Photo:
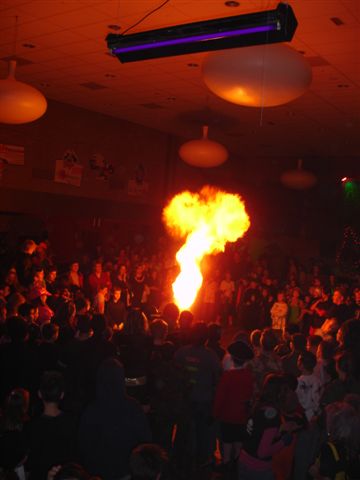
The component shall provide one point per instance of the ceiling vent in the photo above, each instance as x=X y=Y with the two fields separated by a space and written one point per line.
x=337 y=21
x=93 y=86
x=151 y=106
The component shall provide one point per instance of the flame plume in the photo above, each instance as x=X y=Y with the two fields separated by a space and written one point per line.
x=208 y=219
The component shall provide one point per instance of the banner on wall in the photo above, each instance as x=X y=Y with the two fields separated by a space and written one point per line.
x=68 y=169
x=12 y=154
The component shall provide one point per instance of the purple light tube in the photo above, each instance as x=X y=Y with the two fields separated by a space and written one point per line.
x=197 y=38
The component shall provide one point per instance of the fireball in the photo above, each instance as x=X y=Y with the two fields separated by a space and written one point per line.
x=207 y=221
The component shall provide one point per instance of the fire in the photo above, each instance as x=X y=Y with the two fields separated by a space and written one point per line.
x=208 y=219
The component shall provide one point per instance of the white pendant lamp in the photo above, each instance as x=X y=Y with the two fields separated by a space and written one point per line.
x=298 y=179
x=203 y=152
x=258 y=76
x=19 y=102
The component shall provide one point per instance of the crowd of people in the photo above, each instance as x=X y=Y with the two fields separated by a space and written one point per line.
x=102 y=377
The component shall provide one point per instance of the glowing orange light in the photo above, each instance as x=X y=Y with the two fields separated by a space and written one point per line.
x=208 y=219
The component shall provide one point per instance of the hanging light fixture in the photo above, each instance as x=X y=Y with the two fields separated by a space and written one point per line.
x=257 y=76
x=298 y=179
x=203 y=152
x=19 y=102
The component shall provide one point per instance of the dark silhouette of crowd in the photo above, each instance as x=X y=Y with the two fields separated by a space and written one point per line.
x=102 y=377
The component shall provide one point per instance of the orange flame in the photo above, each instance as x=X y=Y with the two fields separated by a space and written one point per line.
x=208 y=219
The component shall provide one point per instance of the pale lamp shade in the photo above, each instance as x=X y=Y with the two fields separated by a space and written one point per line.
x=19 y=102
x=203 y=152
x=258 y=76
x=298 y=179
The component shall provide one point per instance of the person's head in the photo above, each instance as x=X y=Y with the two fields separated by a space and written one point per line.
x=306 y=362
x=268 y=340
x=103 y=290
x=17 y=329
x=29 y=246
x=242 y=335
x=11 y=276
x=136 y=323
x=313 y=341
x=116 y=294
x=122 y=271
x=186 y=319
x=344 y=366
x=82 y=305
x=253 y=284
x=290 y=330
x=255 y=337
x=49 y=332
x=15 y=300
x=38 y=275
x=16 y=409
x=240 y=353
x=264 y=292
x=348 y=335
x=343 y=426
x=65 y=294
x=325 y=351
x=298 y=341
x=139 y=272
x=98 y=324
x=148 y=462
x=74 y=267
x=357 y=296
x=296 y=293
x=171 y=315
x=52 y=387
x=353 y=399
x=83 y=326
x=214 y=332
x=159 y=330
x=28 y=312
x=280 y=297
x=199 y=333
x=97 y=268
x=72 y=471
x=274 y=390
x=316 y=292
x=338 y=297
x=51 y=275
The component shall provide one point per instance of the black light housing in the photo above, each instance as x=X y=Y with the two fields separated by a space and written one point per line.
x=270 y=26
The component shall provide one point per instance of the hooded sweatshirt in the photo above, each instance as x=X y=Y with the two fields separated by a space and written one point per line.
x=111 y=426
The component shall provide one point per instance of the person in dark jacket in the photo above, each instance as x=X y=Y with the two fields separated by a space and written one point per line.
x=111 y=426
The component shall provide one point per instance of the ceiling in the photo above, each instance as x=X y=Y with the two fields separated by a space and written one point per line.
x=62 y=50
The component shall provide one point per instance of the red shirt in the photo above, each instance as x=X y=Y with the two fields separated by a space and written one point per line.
x=96 y=282
x=233 y=394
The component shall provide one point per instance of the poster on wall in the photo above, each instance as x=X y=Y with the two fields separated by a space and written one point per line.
x=101 y=167
x=138 y=186
x=12 y=154
x=68 y=169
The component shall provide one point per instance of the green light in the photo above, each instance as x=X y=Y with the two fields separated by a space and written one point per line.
x=352 y=190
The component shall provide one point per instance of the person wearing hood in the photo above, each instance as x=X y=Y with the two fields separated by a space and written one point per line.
x=111 y=426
